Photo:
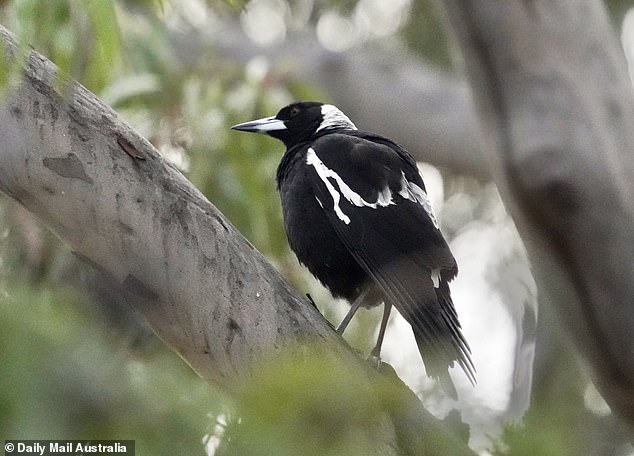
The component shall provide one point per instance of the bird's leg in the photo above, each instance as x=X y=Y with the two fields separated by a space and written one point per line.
x=375 y=354
x=353 y=310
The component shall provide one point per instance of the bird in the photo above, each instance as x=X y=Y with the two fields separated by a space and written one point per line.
x=357 y=215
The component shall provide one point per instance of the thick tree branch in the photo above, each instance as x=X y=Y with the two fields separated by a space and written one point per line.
x=557 y=113
x=201 y=286
x=107 y=193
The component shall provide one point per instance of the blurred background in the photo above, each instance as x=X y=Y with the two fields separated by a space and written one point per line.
x=77 y=363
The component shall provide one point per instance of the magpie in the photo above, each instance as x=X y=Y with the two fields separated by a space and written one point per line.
x=357 y=215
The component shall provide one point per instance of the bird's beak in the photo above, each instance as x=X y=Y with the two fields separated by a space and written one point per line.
x=261 y=125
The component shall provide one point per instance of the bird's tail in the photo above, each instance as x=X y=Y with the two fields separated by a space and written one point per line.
x=453 y=348
x=435 y=367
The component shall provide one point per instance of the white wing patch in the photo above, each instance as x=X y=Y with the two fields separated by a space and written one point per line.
x=409 y=191
x=435 y=277
x=325 y=174
x=414 y=193
x=332 y=117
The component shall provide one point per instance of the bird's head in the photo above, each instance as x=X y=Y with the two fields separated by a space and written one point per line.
x=299 y=122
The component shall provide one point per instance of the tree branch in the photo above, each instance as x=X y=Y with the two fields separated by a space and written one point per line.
x=108 y=194
x=205 y=290
x=557 y=113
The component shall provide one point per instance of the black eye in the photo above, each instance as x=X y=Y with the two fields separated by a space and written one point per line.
x=294 y=111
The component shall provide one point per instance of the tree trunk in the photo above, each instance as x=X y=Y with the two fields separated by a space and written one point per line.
x=204 y=289
x=557 y=112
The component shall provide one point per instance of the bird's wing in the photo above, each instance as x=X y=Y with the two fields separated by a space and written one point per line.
x=374 y=198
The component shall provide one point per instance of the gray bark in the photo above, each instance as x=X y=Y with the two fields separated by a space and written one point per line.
x=557 y=111
x=205 y=290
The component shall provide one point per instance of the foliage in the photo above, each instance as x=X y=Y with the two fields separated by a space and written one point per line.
x=66 y=375
x=315 y=404
x=87 y=38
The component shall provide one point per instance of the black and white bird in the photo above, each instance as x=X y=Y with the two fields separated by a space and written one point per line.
x=357 y=215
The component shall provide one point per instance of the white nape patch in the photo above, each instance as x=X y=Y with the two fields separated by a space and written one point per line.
x=435 y=277
x=325 y=174
x=413 y=192
x=332 y=117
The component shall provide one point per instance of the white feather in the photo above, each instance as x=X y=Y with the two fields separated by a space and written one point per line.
x=413 y=192
x=384 y=197
x=334 y=118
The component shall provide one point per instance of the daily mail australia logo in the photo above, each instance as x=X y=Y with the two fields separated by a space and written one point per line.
x=74 y=447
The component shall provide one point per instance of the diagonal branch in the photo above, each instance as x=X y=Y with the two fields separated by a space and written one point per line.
x=107 y=193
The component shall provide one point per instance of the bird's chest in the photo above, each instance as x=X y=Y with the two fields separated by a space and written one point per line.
x=306 y=225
